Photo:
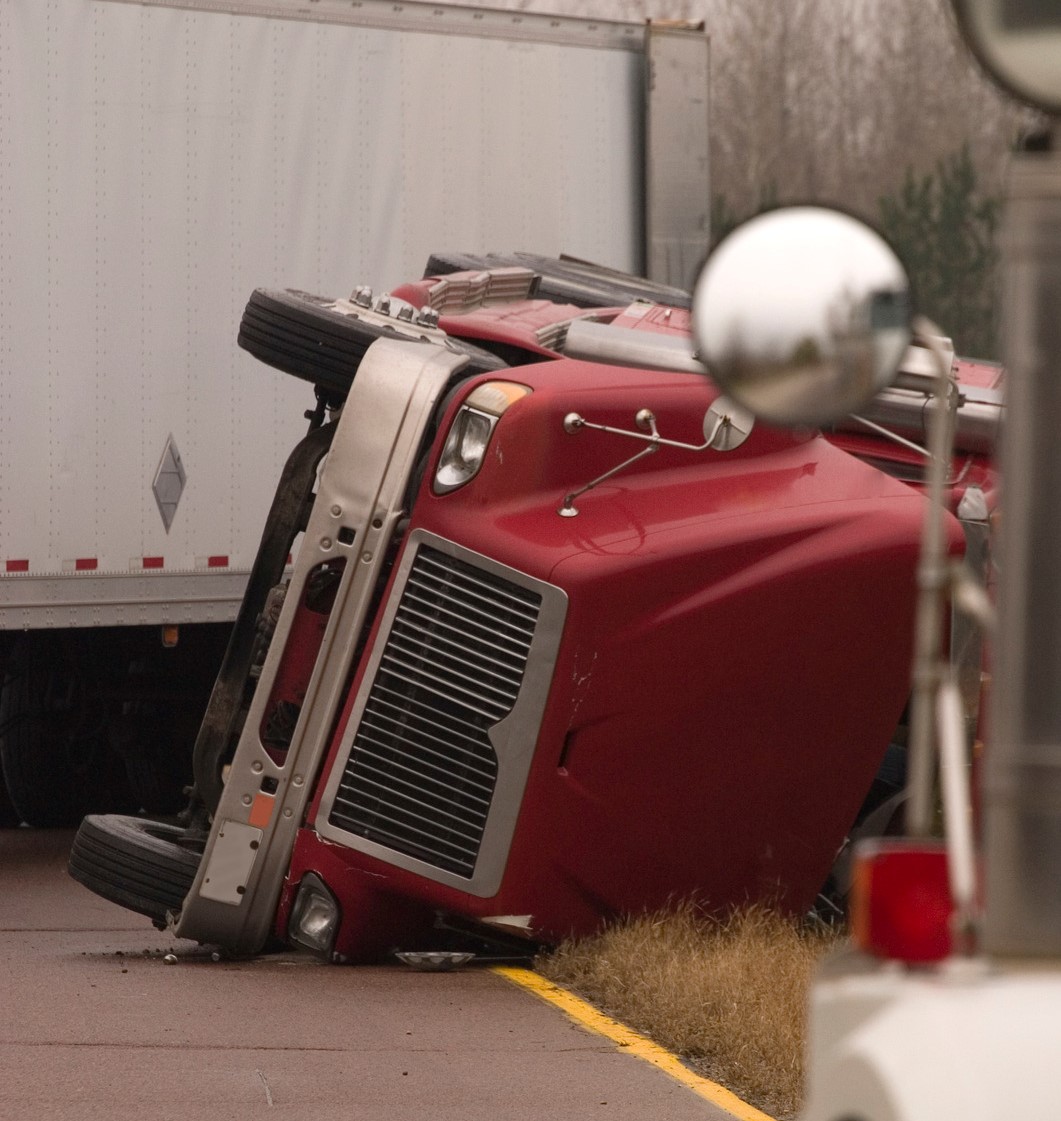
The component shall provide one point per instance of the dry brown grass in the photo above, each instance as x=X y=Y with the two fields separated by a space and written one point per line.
x=728 y=996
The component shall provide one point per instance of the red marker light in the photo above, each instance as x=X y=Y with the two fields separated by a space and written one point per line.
x=901 y=901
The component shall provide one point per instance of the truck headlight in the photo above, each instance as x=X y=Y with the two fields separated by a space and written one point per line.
x=314 y=917
x=469 y=435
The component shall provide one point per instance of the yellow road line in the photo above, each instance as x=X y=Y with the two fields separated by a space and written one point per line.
x=631 y=1041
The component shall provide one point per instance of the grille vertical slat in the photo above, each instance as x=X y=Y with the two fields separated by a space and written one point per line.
x=400 y=829
x=446 y=736
x=400 y=776
x=425 y=759
x=447 y=667
x=494 y=595
x=421 y=772
x=431 y=688
x=444 y=606
x=499 y=666
x=400 y=802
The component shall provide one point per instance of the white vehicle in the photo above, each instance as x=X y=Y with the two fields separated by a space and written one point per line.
x=948 y=1006
x=158 y=161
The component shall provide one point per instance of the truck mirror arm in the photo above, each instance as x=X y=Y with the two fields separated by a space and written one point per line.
x=934 y=583
x=646 y=420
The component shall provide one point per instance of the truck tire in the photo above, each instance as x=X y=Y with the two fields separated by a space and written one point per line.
x=304 y=335
x=159 y=780
x=143 y=865
x=53 y=753
x=9 y=816
x=566 y=281
x=154 y=743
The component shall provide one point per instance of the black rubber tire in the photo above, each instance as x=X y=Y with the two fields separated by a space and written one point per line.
x=143 y=865
x=154 y=744
x=9 y=816
x=158 y=780
x=566 y=281
x=300 y=334
x=54 y=757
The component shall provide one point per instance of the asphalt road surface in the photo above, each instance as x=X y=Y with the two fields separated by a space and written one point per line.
x=94 y=1023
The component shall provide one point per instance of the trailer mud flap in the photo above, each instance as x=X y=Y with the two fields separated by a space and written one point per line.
x=358 y=505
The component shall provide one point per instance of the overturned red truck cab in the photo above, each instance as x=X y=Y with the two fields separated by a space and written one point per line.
x=566 y=635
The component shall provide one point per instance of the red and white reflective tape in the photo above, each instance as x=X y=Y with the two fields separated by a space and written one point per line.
x=21 y=565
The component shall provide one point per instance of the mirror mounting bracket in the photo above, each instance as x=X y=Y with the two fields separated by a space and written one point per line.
x=716 y=425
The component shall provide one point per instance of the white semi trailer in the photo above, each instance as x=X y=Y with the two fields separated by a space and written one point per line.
x=159 y=161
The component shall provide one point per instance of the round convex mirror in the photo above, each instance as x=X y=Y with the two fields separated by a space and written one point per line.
x=802 y=314
x=1018 y=42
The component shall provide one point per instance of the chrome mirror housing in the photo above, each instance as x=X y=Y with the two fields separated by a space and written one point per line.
x=802 y=314
x=1018 y=42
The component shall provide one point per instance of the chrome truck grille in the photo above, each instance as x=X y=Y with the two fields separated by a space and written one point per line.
x=422 y=769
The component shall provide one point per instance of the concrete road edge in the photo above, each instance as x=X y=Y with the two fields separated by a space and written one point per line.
x=632 y=1042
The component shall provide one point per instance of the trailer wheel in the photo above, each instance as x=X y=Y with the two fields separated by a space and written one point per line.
x=304 y=335
x=9 y=816
x=143 y=865
x=153 y=744
x=159 y=781
x=53 y=752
